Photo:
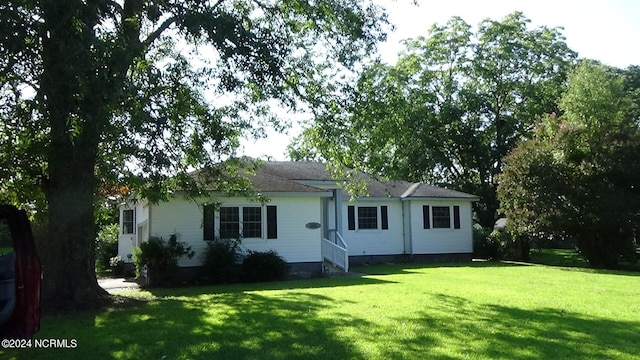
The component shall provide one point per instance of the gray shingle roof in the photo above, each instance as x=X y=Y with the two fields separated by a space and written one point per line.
x=268 y=183
x=296 y=170
x=284 y=176
x=429 y=191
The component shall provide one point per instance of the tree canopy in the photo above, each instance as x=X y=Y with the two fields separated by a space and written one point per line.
x=97 y=94
x=577 y=177
x=450 y=109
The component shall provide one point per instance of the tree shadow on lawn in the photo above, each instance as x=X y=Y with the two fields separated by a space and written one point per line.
x=241 y=322
x=213 y=322
x=314 y=283
x=502 y=332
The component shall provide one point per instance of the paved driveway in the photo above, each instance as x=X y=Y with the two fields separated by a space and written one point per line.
x=112 y=284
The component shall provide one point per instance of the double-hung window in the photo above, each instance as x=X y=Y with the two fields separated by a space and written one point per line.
x=368 y=217
x=439 y=217
x=252 y=222
x=128 y=221
x=233 y=222
x=229 y=222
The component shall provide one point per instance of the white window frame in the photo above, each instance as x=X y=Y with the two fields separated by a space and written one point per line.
x=356 y=218
x=133 y=222
x=263 y=221
x=433 y=218
x=378 y=217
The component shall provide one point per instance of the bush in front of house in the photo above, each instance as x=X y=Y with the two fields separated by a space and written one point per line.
x=117 y=266
x=220 y=261
x=264 y=266
x=161 y=259
x=106 y=246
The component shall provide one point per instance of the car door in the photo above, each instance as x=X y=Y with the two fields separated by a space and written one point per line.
x=20 y=276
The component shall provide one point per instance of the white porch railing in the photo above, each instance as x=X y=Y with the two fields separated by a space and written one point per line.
x=335 y=250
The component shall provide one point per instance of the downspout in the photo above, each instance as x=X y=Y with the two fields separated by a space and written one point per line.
x=325 y=217
x=337 y=199
x=406 y=227
x=407 y=234
x=149 y=222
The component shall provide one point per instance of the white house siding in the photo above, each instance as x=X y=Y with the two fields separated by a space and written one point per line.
x=183 y=218
x=126 y=242
x=295 y=242
x=441 y=241
x=374 y=241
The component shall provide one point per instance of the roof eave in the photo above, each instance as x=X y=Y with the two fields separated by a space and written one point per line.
x=471 y=199
x=296 y=194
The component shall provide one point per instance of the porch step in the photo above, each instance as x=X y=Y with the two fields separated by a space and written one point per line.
x=329 y=270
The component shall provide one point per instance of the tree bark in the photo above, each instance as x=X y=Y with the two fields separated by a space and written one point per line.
x=596 y=249
x=73 y=117
x=69 y=275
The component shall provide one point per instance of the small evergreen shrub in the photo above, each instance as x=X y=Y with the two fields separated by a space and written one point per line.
x=264 y=266
x=220 y=261
x=161 y=259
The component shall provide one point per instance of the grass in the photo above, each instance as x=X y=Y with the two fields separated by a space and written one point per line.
x=558 y=257
x=476 y=310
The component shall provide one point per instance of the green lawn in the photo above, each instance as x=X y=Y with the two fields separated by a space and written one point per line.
x=476 y=310
x=558 y=257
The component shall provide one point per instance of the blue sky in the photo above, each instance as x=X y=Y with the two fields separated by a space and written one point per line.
x=605 y=30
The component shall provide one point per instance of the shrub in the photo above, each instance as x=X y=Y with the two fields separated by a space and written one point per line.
x=264 y=266
x=489 y=244
x=106 y=245
x=117 y=265
x=483 y=246
x=161 y=259
x=498 y=245
x=220 y=261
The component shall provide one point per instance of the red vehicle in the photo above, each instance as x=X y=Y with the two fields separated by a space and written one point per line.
x=20 y=276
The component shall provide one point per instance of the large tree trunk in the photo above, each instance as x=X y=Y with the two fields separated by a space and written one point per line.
x=69 y=275
x=597 y=249
x=69 y=91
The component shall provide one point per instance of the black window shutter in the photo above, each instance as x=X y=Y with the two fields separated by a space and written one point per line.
x=384 y=217
x=456 y=217
x=272 y=222
x=426 y=223
x=208 y=223
x=351 y=213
